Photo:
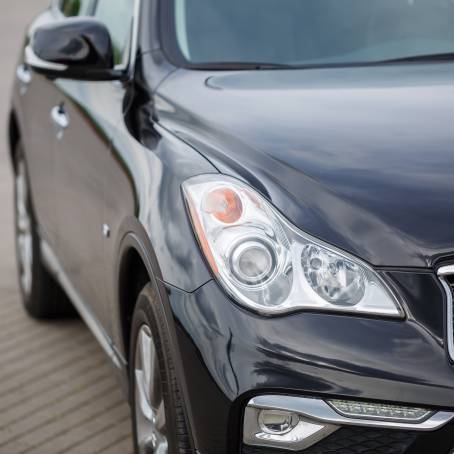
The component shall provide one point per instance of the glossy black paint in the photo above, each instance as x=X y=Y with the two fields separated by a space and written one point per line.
x=360 y=157
x=310 y=354
x=347 y=154
x=83 y=44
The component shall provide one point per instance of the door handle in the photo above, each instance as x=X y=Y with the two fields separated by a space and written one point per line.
x=60 y=119
x=24 y=76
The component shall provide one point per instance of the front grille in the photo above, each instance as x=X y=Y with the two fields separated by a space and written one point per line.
x=446 y=275
x=353 y=440
x=364 y=440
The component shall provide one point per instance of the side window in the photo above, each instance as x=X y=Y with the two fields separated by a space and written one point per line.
x=72 y=8
x=117 y=16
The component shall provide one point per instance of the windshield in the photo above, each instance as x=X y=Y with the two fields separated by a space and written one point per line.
x=309 y=32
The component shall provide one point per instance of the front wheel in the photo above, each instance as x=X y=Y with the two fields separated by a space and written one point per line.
x=158 y=415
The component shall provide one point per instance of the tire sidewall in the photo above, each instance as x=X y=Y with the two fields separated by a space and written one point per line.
x=148 y=311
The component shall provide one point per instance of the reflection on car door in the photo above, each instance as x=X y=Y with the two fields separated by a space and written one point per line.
x=82 y=148
x=88 y=113
x=38 y=95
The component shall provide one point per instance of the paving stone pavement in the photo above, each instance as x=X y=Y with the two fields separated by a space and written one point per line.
x=58 y=393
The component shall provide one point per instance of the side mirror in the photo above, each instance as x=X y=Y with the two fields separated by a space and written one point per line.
x=78 y=48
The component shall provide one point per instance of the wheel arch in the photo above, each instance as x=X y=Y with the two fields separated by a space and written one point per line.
x=137 y=264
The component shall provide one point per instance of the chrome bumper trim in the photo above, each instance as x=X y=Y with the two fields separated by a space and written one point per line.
x=319 y=410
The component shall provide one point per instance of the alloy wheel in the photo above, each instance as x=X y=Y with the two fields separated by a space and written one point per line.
x=24 y=236
x=149 y=402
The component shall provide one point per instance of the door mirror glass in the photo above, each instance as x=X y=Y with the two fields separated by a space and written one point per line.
x=76 y=48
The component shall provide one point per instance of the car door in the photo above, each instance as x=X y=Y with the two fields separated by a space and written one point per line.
x=85 y=116
x=38 y=95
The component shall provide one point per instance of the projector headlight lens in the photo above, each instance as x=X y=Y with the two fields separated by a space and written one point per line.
x=268 y=265
x=253 y=262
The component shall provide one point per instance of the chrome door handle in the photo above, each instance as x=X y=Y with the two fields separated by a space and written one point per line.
x=24 y=76
x=60 y=120
x=59 y=117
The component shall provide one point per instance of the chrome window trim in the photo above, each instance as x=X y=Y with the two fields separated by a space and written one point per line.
x=318 y=410
x=442 y=273
x=134 y=45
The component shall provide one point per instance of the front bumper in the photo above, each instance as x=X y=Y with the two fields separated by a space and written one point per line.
x=359 y=440
x=292 y=423
x=230 y=355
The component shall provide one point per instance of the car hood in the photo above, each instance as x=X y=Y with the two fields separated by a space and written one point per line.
x=362 y=157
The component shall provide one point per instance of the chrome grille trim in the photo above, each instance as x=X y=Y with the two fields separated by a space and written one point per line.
x=443 y=273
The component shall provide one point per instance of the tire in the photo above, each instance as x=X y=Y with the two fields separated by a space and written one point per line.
x=149 y=321
x=42 y=297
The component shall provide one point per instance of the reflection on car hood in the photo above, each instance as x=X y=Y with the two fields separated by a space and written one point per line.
x=360 y=157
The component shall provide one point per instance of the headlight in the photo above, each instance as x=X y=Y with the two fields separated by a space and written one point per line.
x=268 y=265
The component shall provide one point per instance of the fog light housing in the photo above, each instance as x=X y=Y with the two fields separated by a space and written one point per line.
x=295 y=423
x=277 y=422
x=282 y=429
x=382 y=412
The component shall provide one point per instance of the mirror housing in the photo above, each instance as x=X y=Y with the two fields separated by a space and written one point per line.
x=76 y=48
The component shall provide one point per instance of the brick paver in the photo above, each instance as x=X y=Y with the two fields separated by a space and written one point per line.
x=58 y=393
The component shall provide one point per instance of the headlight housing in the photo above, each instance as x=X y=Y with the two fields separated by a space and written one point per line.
x=268 y=265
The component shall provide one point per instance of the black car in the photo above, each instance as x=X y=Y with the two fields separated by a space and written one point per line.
x=250 y=203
